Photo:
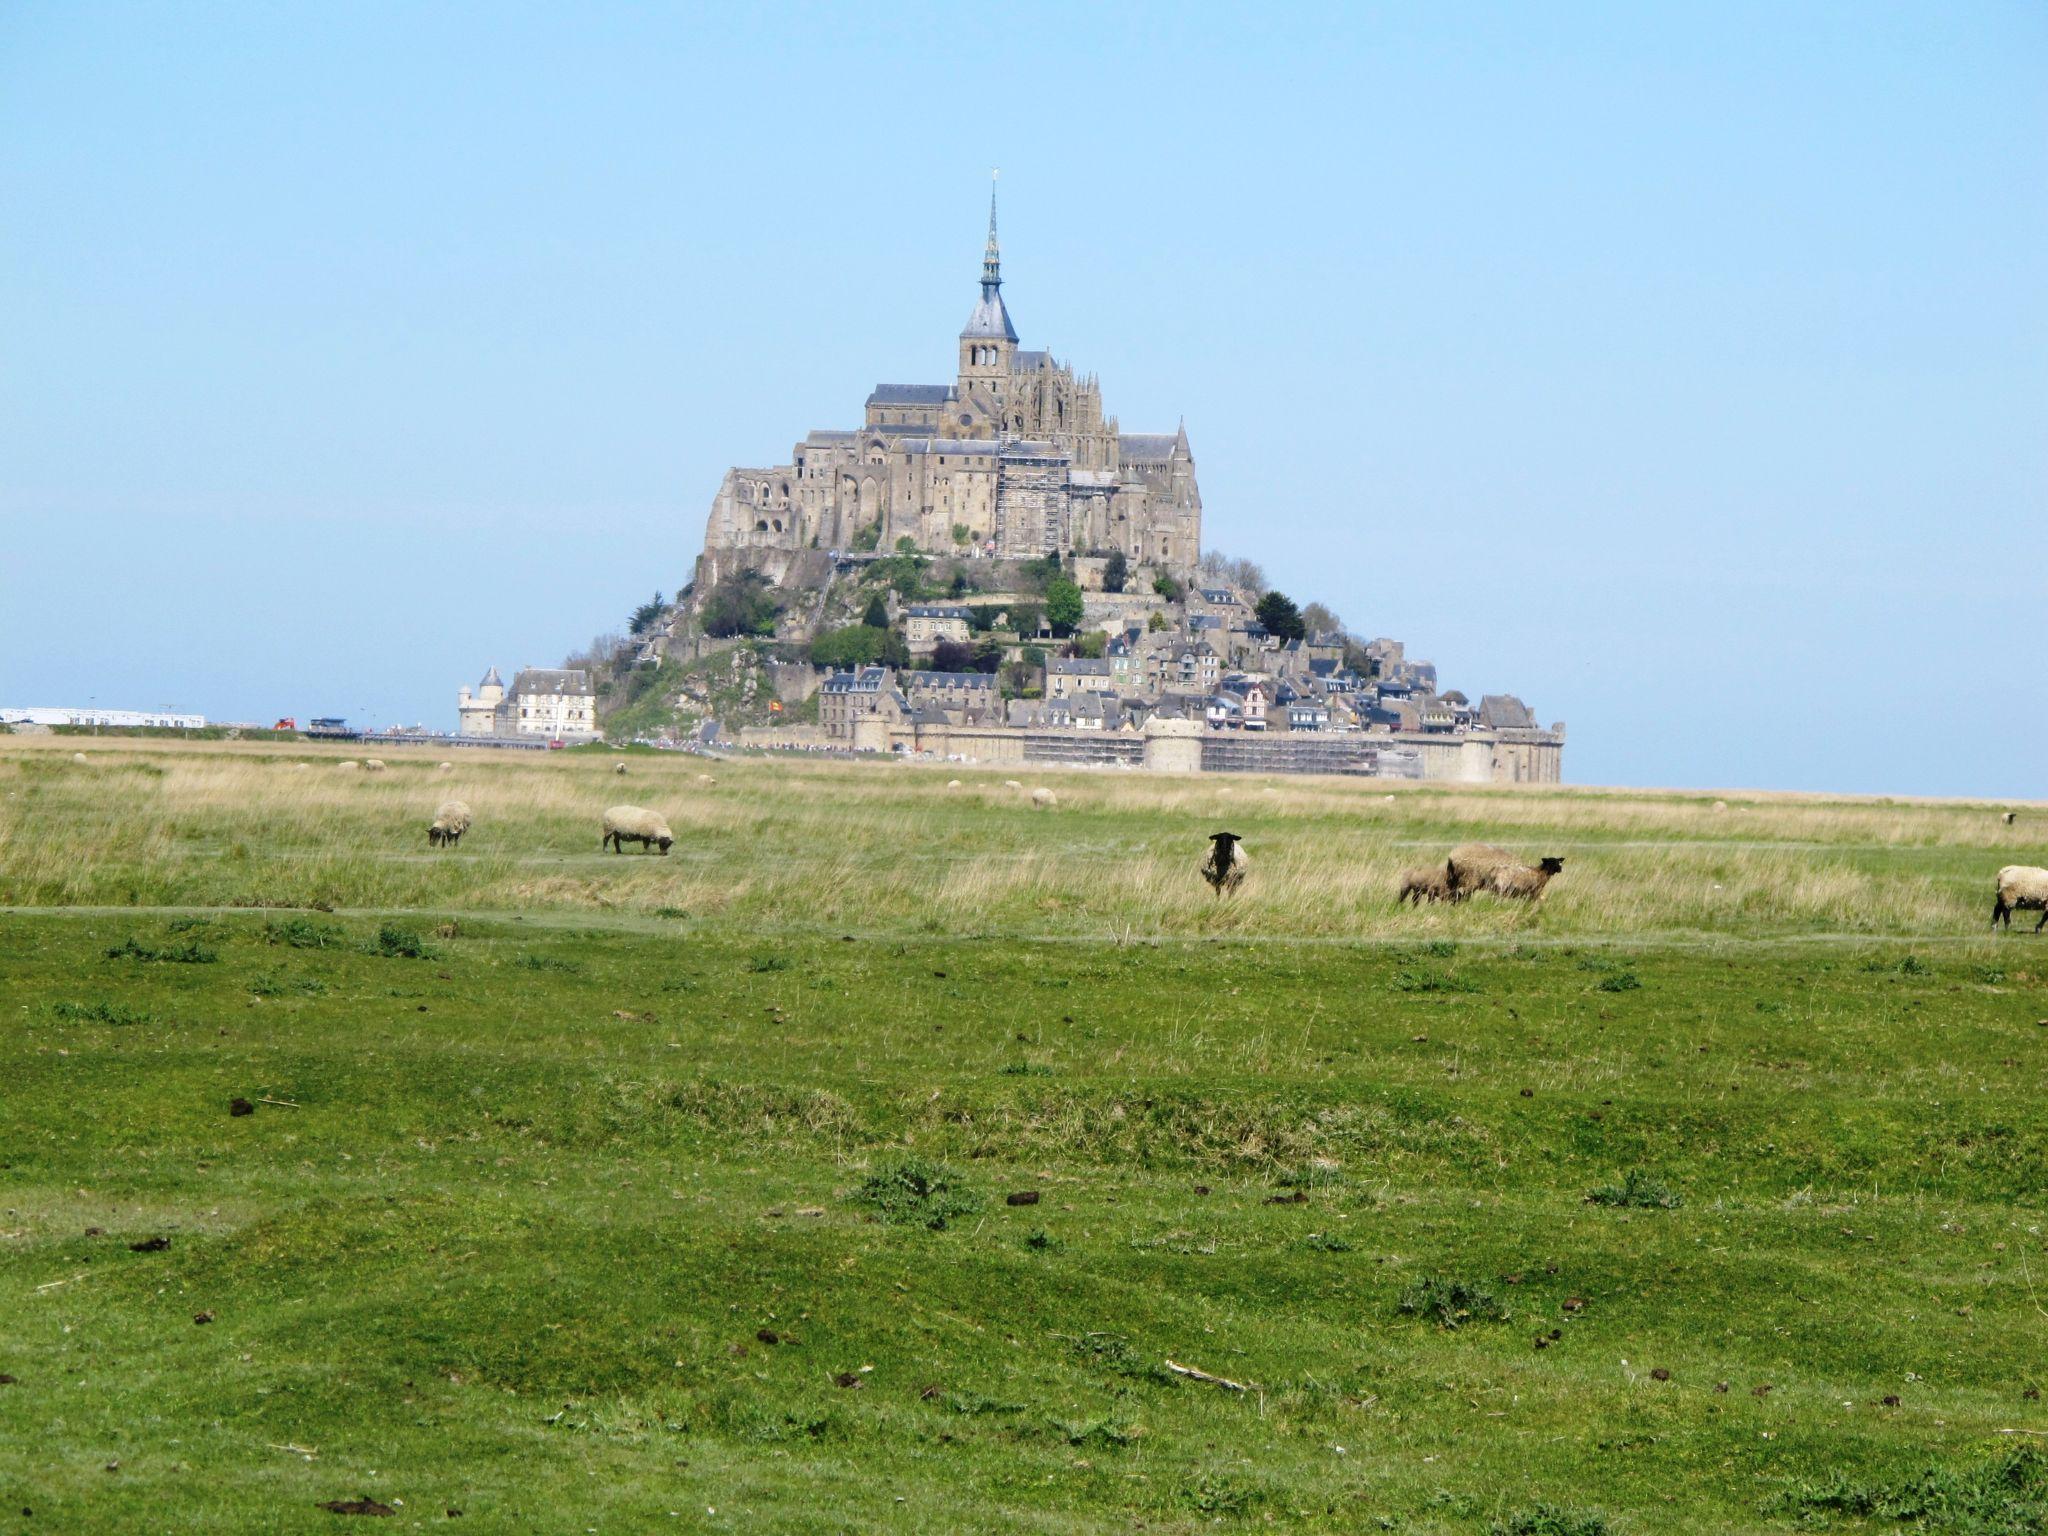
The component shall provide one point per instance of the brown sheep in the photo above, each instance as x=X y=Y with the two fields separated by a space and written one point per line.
x=1475 y=867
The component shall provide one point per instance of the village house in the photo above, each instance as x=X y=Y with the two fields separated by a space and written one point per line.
x=963 y=697
x=850 y=696
x=554 y=702
x=1068 y=675
x=925 y=625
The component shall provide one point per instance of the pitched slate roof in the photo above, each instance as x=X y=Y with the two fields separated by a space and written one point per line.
x=911 y=394
x=1146 y=447
x=550 y=680
x=1503 y=711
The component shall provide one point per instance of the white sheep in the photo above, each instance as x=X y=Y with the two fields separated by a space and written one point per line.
x=1720 y=806
x=705 y=778
x=1226 y=862
x=625 y=824
x=79 y=758
x=1043 y=799
x=299 y=768
x=2021 y=888
x=952 y=783
x=450 y=822
x=348 y=765
x=444 y=768
x=373 y=765
x=619 y=767
x=1011 y=784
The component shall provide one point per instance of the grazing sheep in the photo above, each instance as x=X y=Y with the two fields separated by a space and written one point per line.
x=1011 y=784
x=348 y=763
x=1522 y=882
x=444 y=768
x=952 y=783
x=450 y=822
x=78 y=758
x=298 y=768
x=1043 y=799
x=1471 y=865
x=619 y=767
x=1226 y=863
x=2021 y=888
x=2011 y=817
x=1475 y=867
x=625 y=824
x=705 y=778
x=1425 y=882
x=1720 y=806
x=373 y=765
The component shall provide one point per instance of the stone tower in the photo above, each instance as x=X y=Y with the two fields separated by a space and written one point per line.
x=988 y=341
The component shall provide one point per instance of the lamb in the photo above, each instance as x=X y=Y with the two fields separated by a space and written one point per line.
x=1425 y=882
x=705 y=778
x=1474 y=867
x=1043 y=799
x=373 y=765
x=2021 y=888
x=1522 y=882
x=1226 y=863
x=450 y=822
x=625 y=824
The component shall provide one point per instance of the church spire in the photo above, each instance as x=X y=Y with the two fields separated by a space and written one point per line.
x=992 y=257
x=990 y=317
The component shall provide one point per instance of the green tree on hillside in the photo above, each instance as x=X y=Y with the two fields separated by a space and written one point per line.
x=877 y=614
x=741 y=605
x=1168 y=588
x=1116 y=572
x=1062 y=605
x=1277 y=612
x=645 y=615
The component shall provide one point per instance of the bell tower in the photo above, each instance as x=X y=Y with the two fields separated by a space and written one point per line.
x=988 y=340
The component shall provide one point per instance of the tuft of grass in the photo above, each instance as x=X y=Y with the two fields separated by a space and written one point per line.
x=1451 y=1303
x=1024 y=1069
x=762 y=964
x=191 y=952
x=2004 y=1495
x=395 y=943
x=120 y=1015
x=1618 y=981
x=915 y=1191
x=1551 y=1520
x=547 y=963
x=1637 y=1191
x=1431 y=978
x=302 y=933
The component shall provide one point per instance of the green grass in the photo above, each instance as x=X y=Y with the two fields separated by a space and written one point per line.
x=570 y=1213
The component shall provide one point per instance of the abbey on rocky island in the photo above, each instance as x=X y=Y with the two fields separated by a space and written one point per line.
x=1013 y=459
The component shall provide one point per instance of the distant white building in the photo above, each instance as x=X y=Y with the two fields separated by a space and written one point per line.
x=543 y=701
x=119 y=718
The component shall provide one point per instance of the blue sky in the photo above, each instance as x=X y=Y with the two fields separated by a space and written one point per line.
x=1683 y=369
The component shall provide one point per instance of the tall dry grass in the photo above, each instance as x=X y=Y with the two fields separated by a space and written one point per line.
x=881 y=846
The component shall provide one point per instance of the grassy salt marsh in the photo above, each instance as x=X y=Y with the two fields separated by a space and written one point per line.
x=581 y=1191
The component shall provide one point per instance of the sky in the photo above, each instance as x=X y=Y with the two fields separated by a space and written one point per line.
x=1682 y=369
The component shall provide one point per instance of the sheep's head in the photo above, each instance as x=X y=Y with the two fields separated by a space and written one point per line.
x=665 y=842
x=1225 y=838
x=1552 y=866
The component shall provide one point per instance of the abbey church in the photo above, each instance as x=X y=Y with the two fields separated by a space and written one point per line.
x=1013 y=459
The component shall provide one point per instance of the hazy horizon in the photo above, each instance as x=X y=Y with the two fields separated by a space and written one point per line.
x=1682 y=371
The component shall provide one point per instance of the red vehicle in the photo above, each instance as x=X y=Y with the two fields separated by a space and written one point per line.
x=288 y=723
x=557 y=744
